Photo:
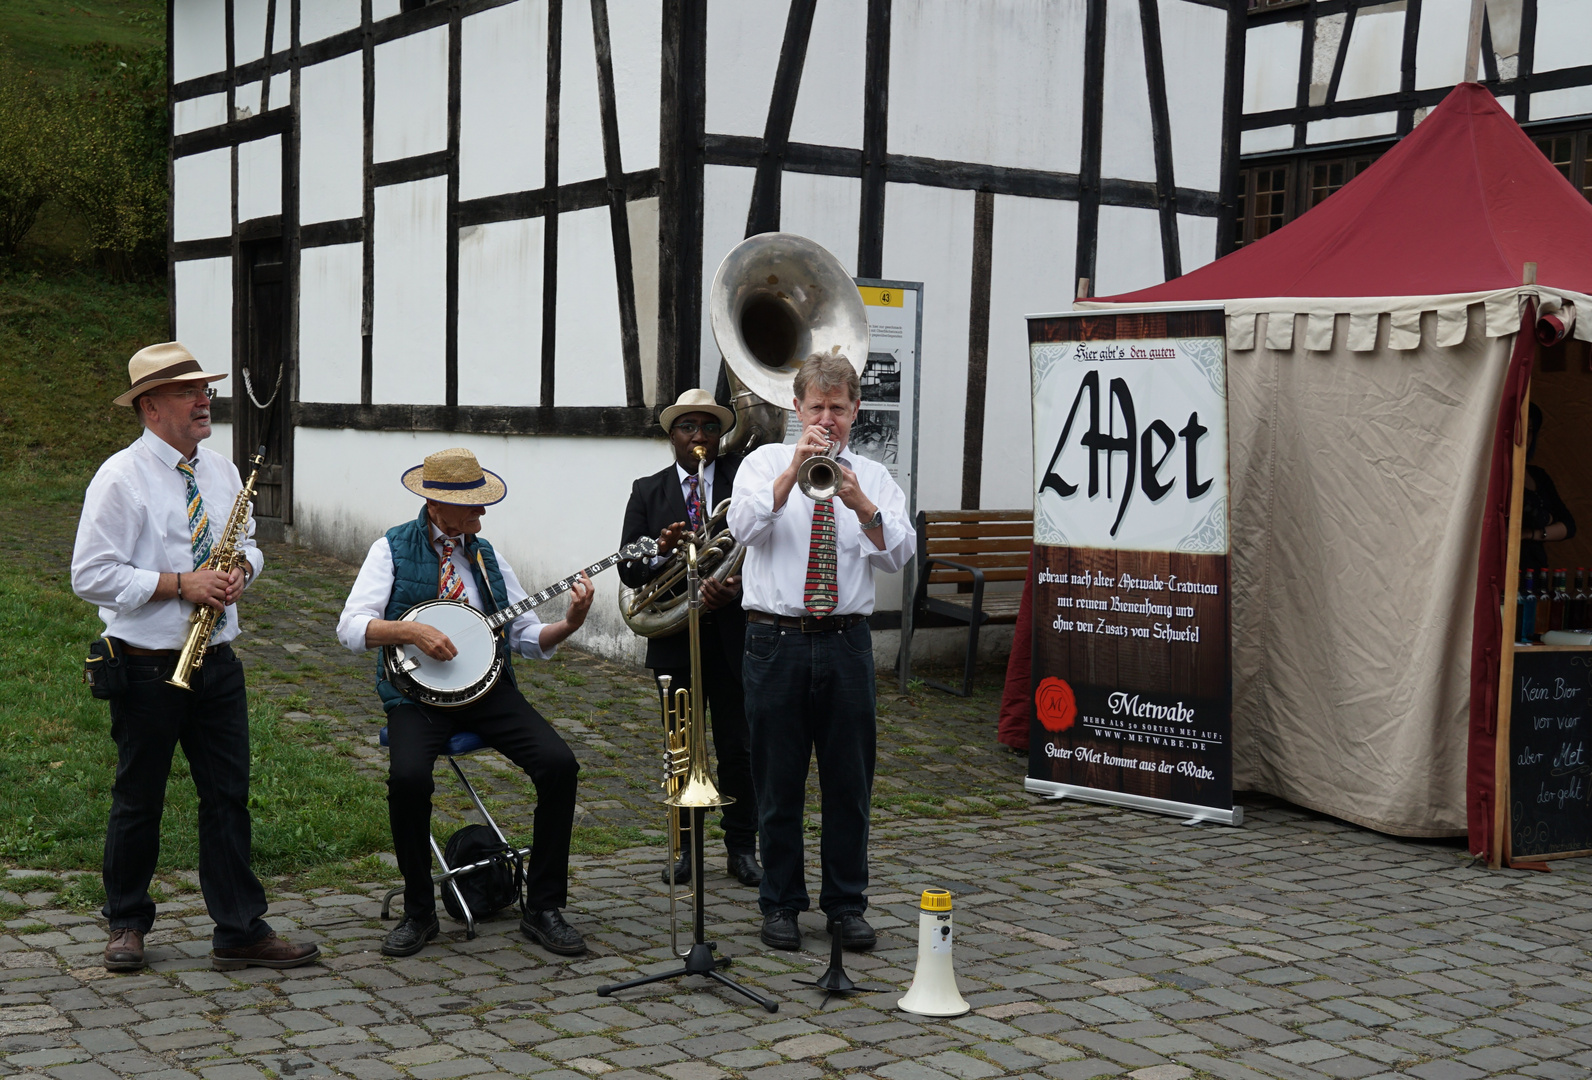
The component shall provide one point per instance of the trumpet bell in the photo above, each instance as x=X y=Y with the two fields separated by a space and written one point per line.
x=819 y=477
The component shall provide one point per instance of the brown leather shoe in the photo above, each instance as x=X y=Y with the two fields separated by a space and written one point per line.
x=270 y=951
x=125 y=950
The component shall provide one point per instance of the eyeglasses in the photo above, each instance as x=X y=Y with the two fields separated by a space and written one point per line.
x=193 y=392
x=691 y=427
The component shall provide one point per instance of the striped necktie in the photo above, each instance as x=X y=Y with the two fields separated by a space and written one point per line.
x=199 y=538
x=450 y=585
x=693 y=502
x=821 y=594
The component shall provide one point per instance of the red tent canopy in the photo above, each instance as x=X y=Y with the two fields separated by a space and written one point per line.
x=1458 y=206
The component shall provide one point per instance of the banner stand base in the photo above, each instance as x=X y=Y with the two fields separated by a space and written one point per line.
x=1190 y=812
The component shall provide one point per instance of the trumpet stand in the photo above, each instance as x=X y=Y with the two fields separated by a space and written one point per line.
x=690 y=788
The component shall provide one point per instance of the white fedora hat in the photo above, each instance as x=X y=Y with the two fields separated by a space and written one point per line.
x=157 y=365
x=696 y=401
x=454 y=476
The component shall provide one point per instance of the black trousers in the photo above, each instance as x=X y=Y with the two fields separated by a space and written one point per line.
x=417 y=735
x=726 y=704
x=211 y=721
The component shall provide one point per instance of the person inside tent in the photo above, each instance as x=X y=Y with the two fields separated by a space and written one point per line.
x=1544 y=518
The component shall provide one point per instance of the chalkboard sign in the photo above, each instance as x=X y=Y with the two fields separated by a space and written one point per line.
x=1550 y=771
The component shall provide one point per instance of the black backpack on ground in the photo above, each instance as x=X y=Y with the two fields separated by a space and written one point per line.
x=487 y=890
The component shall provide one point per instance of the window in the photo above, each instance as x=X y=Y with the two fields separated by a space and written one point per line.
x=1328 y=176
x=1571 y=153
x=1271 y=195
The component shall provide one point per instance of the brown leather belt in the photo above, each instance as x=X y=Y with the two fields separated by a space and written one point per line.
x=170 y=654
x=807 y=624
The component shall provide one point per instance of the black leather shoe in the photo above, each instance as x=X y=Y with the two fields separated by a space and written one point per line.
x=853 y=930
x=780 y=930
x=125 y=950
x=409 y=936
x=681 y=874
x=549 y=930
x=744 y=868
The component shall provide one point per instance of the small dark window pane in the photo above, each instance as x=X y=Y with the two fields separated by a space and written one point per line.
x=1559 y=150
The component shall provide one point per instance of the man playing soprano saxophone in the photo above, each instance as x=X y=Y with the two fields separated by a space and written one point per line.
x=151 y=517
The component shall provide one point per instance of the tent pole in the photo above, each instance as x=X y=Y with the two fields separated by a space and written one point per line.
x=1473 y=45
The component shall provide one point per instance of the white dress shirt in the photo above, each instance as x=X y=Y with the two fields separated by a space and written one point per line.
x=135 y=527
x=774 y=576
x=685 y=485
x=373 y=588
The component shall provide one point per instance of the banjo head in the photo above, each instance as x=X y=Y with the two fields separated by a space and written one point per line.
x=474 y=640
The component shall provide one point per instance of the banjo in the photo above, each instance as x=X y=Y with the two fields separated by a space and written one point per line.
x=476 y=666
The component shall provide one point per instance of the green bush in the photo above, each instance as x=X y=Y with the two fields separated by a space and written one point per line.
x=31 y=138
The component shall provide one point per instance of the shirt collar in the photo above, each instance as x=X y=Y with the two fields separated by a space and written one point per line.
x=683 y=475
x=167 y=454
x=437 y=536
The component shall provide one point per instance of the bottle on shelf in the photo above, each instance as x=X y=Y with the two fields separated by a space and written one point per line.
x=1544 y=619
x=1526 y=608
x=1578 y=602
x=1561 y=600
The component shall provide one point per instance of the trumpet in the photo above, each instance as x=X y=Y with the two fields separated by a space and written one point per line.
x=687 y=781
x=225 y=557
x=819 y=476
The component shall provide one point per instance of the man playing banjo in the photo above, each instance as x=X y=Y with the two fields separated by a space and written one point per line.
x=439 y=555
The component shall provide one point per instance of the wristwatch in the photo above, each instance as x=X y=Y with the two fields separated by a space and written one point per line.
x=875 y=522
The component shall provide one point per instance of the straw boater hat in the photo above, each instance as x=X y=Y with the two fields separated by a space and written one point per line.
x=161 y=364
x=696 y=401
x=454 y=476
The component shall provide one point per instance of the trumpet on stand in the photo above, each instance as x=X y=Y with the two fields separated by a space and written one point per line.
x=688 y=786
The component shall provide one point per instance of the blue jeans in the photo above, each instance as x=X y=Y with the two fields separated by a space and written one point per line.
x=211 y=721
x=807 y=692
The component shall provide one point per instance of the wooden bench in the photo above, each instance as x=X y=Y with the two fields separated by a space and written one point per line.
x=967 y=549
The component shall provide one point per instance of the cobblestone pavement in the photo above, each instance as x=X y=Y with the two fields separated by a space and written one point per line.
x=1091 y=942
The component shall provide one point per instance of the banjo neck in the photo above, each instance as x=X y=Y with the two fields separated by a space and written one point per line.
x=514 y=611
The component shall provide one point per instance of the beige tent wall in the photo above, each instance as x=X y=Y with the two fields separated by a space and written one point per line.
x=1357 y=487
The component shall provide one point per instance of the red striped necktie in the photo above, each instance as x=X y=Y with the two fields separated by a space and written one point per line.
x=450 y=585
x=821 y=594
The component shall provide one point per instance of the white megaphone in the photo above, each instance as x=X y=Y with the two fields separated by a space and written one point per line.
x=933 y=990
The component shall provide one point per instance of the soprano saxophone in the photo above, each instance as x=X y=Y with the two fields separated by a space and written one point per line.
x=224 y=559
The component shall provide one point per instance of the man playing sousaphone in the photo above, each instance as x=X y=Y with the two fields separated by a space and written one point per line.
x=440 y=555
x=667 y=504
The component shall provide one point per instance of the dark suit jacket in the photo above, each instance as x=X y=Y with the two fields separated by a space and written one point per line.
x=657 y=502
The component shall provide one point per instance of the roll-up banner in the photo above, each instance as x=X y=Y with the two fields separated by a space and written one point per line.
x=1132 y=660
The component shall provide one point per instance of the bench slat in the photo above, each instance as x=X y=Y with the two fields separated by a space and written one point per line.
x=941 y=576
x=1015 y=544
x=1024 y=529
x=932 y=516
x=986 y=559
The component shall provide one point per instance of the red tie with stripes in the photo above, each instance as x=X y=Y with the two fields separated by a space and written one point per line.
x=821 y=595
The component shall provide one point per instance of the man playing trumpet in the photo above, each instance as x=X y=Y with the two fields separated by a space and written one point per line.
x=808 y=669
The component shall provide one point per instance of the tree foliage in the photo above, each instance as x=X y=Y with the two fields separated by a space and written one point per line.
x=30 y=154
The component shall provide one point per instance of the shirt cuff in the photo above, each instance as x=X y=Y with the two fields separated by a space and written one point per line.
x=353 y=637
x=139 y=589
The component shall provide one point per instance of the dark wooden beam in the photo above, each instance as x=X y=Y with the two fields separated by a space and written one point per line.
x=1232 y=116
x=683 y=90
x=977 y=350
x=555 y=60
x=875 y=140
x=1412 y=29
x=595 y=422
x=1342 y=54
x=1094 y=77
x=367 y=317
x=618 y=211
x=450 y=319
x=1161 y=136
x=763 y=215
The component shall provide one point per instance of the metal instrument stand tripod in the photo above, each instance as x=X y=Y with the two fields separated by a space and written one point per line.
x=700 y=960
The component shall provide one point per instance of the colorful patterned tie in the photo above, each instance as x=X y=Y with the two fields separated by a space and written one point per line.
x=821 y=595
x=693 y=502
x=450 y=585
x=199 y=538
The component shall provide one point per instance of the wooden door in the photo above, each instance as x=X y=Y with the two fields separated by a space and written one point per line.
x=265 y=385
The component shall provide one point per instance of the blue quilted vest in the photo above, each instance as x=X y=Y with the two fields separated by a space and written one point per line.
x=415 y=572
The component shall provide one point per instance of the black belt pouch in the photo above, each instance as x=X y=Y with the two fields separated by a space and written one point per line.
x=103 y=668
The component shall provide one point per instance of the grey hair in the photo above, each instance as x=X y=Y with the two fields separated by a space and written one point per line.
x=827 y=372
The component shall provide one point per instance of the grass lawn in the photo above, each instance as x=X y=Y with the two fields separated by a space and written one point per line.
x=41 y=34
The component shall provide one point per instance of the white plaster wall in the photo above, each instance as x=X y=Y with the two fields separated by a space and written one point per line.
x=1127 y=151
x=196 y=114
x=500 y=313
x=635 y=34
x=928 y=237
x=1194 y=54
x=1440 y=43
x=824 y=209
x=994 y=84
x=1346 y=128
x=260 y=178
x=248 y=28
x=246 y=99
x=1261 y=139
x=1571 y=101
x=1375 y=56
x=331 y=296
x=411 y=95
x=281 y=90
x=383 y=9
x=323 y=18
x=408 y=331
x=726 y=198
x=503 y=101
x=353 y=496
x=331 y=140
x=580 y=131
x=1271 y=66
x=1196 y=241
x=589 y=362
x=1564 y=36
x=829 y=101
x=202 y=195
x=743 y=42
x=1129 y=253
x=643 y=217
x=202 y=297
x=1032 y=239
x=199 y=38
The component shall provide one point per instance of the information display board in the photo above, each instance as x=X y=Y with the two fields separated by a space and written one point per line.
x=1550 y=774
x=1132 y=657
